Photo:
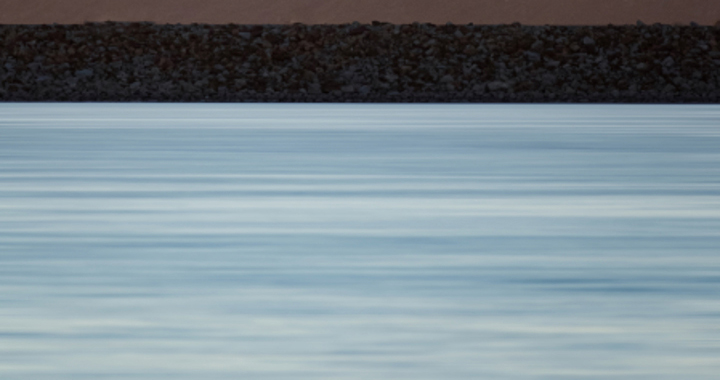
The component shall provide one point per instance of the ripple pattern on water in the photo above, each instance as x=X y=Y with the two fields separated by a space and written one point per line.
x=277 y=241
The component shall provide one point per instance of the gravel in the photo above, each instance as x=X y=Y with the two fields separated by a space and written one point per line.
x=375 y=62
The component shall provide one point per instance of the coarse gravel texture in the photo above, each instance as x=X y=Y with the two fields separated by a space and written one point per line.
x=375 y=62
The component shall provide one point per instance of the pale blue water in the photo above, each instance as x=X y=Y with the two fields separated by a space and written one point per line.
x=276 y=241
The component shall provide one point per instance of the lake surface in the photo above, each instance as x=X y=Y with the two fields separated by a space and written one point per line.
x=281 y=241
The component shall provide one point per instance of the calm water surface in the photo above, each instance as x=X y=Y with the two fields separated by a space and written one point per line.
x=277 y=241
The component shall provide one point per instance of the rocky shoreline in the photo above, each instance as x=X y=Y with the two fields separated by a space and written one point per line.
x=376 y=62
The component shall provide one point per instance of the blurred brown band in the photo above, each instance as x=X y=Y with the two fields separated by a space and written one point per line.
x=530 y=12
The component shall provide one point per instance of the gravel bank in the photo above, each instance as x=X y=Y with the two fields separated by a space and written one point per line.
x=359 y=63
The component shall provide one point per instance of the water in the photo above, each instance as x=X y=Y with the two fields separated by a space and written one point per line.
x=168 y=241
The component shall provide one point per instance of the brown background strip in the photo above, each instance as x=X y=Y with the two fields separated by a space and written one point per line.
x=532 y=12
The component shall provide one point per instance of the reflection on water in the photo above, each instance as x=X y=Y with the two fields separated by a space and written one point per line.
x=274 y=241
